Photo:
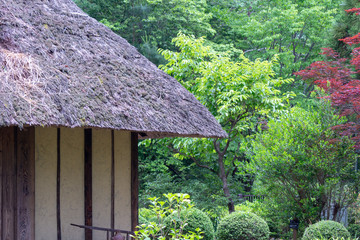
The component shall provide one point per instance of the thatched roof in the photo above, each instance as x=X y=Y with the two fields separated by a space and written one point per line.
x=60 y=67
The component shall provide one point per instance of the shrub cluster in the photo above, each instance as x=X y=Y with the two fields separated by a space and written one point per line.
x=194 y=218
x=326 y=230
x=153 y=219
x=354 y=230
x=146 y=216
x=242 y=226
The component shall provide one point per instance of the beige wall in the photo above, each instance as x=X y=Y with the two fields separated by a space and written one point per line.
x=45 y=183
x=101 y=181
x=72 y=181
x=123 y=180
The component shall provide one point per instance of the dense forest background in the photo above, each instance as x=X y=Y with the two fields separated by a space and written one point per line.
x=239 y=58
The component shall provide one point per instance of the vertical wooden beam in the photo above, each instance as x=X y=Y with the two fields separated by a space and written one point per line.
x=25 y=227
x=112 y=217
x=134 y=181
x=9 y=184
x=1 y=182
x=88 y=182
x=58 y=177
x=14 y=179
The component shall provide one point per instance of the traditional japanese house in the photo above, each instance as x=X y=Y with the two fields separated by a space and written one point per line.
x=74 y=99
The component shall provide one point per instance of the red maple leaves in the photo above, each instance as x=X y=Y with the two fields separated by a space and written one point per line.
x=353 y=10
x=338 y=77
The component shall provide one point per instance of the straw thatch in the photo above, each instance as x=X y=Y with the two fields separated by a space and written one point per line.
x=60 y=67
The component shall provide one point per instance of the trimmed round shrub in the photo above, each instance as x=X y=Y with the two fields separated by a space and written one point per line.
x=354 y=230
x=326 y=230
x=242 y=226
x=195 y=218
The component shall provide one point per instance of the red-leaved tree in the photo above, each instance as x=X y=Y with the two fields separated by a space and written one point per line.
x=339 y=78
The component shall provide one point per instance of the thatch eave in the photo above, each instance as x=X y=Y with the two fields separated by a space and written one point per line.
x=142 y=134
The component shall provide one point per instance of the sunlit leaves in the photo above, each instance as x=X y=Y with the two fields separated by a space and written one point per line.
x=229 y=89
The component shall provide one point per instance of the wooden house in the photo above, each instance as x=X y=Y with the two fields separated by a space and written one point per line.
x=74 y=99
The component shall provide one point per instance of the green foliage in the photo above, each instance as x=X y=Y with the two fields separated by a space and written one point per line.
x=242 y=226
x=160 y=172
x=270 y=213
x=354 y=212
x=151 y=24
x=335 y=238
x=303 y=165
x=147 y=216
x=168 y=17
x=255 y=207
x=228 y=88
x=346 y=25
x=173 y=206
x=195 y=219
x=293 y=29
x=237 y=93
x=354 y=230
x=326 y=230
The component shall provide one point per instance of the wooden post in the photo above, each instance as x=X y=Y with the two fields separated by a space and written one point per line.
x=25 y=183
x=58 y=177
x=112 y=210
x=25 y=215
x=9 y=184
x=294 y=225
x=1 y=182
x=294 y=234
x=88 y=182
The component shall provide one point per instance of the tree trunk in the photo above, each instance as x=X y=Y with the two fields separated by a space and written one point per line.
x=222 y=175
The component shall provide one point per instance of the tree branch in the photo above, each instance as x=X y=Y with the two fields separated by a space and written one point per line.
x=193 y=159
x=256 y=49
x=234 y=158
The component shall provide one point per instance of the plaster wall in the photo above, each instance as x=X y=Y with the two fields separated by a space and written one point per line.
x=101 y=165
x=45 y=183
x=122 y=180
x=72 y=182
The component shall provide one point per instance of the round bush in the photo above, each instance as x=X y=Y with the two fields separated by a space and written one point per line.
x=195 y=218
x=242 y=226
x=326 y=230
x=354 y=230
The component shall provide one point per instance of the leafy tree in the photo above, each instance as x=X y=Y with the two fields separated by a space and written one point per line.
x=122 y=16
x=168 y=17
x=302 y=168
x=151 y=24
x=347 y=24
x=292 y=29
x=337 y=77
x=237 y=94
